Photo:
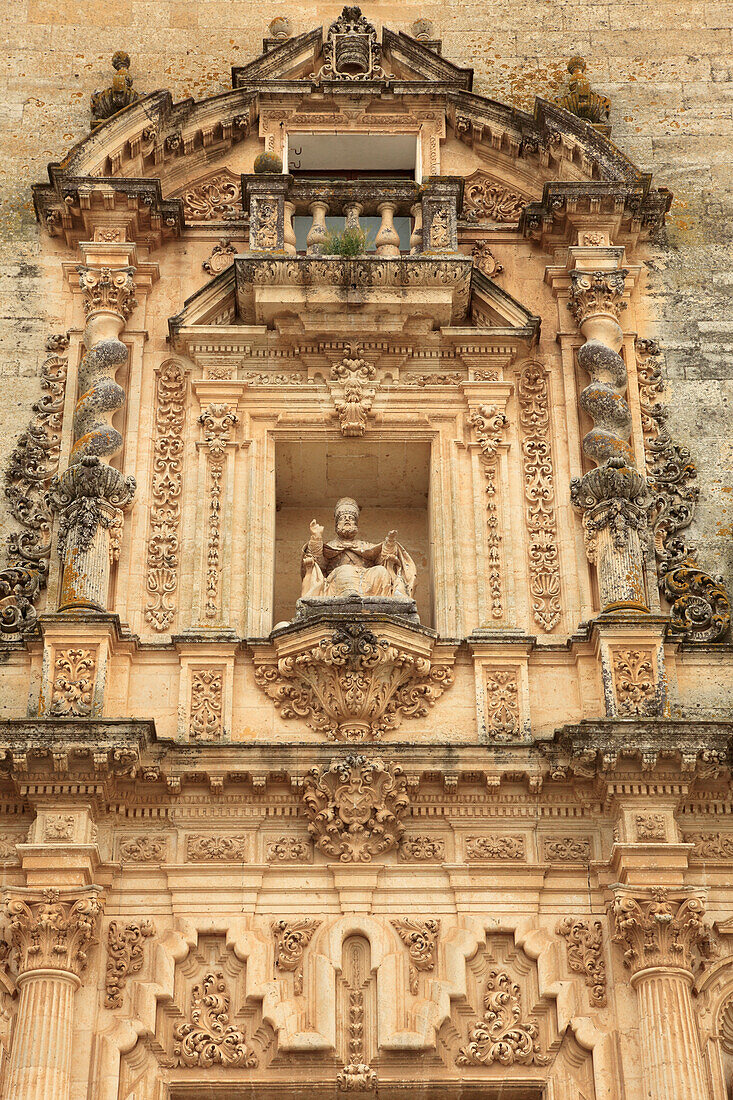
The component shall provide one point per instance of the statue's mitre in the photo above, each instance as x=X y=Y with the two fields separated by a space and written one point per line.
x=346 y=504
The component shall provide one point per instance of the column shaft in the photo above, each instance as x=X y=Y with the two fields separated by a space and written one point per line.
x=40 y=1060
x=670 y=1046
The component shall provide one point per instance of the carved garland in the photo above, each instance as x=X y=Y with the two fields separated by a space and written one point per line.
x=539 y=492
x=165 y=513
x=489 y=424
x=700 y=602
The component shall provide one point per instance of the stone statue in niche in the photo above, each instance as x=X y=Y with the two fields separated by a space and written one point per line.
x=347 y=567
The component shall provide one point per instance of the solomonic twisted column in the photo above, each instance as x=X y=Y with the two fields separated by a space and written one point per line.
x=51 y=931
x=91 y=495
x=658 y=931
x=613 y=497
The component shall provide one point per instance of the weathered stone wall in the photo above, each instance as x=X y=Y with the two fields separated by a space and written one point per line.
x=668 y=70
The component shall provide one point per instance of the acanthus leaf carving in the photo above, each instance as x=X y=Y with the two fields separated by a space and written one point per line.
x=660 y=928
x=125 y=956
x=206 y=849
x=495 y=847
x=143 y=849
x=72 y=691
x=354 y=686
x=502 y=1036
x=585 y=954
x=108 y=289
x=596 y=292
x=502 y=705
x=355 y=376
x=539 y=493
x=485 y=198
x=53 y=928
x=634 y=682
x=421 y=939
x=355 y=807
x=422 y=848
x=208 y=1038
x=289 y=849
x=291 y=939
x=207 y=687
x=217 y=198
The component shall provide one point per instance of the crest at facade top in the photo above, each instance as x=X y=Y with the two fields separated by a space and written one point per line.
x=351 y=50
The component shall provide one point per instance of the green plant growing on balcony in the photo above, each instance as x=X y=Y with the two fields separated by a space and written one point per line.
x=350 y=242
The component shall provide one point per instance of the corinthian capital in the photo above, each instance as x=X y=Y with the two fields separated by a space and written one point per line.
x=53 y=928
x=660 y=928
x=596 y=292
x=110 y=290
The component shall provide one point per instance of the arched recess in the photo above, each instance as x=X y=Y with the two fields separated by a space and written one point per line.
x=714 y=988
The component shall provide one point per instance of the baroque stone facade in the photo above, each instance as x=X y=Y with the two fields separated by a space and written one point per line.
x=288 y=812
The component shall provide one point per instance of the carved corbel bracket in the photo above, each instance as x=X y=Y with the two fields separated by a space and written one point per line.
x=353 y=681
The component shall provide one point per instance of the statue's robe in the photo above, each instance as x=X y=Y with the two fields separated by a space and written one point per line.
x=346 y=568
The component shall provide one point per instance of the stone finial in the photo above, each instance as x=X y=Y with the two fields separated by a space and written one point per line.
x=119 y=94
x=422 y=30
x=579 y=99
x=280 y=28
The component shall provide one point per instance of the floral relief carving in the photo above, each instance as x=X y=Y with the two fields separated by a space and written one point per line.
x=539 y=494
x=291 y=939
x=439 y=235
x=53 y=928
x=633 y=675
x=484 y=198
x=207 y=687
x=289 y=849
x=205 y=849
x=700 y=602
x=33 y=462
x=143 y=849
x=165 y=511
x=355 y=807
x=502 y=1036
x=585 y=954
x=489 y=425
x=421 y=939
x=208 y=1038
x=650 y=826
x=357 y=1075
x=58 y=827
x=73 y=683
x=264 y=218
x=9 y=846
x=710 y=845
x=660 y=928
x=218 y=422
x=354 y=686
x=355 y=376
x=566 y=849
x=125 y=956
x=218 y=198
x=422 y=848
x=494 y=847
x=502 y=705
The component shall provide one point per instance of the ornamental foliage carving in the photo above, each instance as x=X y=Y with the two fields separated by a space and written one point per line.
x=489 y=424
x=291 y=939
x=634 y=683
x=484 y=199
x=566 y=849
x=89 y=495
x=125 y=956
x=710 y=845
x=108 y=289
x=208 y=1038
x=218 y=422
x=205 y=849
x=143 y=849
x=422 y=848
x=221 y=256
x=421 y=939
x=596 y=292
x=502 y=1036
x=218 y=198
x=207 y=687
x=53 y=928
x=660 y=929
x=539 y=495
x=58 y=827
x=72 y=691
x=700 y=602
x=650 y=826
x=502 y=705
x=355 y=807
x=495 y=847
x=585 y=954
x=289 y=849
x=354 y=686
x=165 y=512
x=33 y=462
x=355 y=376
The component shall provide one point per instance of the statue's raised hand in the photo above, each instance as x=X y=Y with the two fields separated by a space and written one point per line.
x=316 y=529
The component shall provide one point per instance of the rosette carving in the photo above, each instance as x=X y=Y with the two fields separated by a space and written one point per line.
x=355 y=807
x=502 y=1036
x=354 y=686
